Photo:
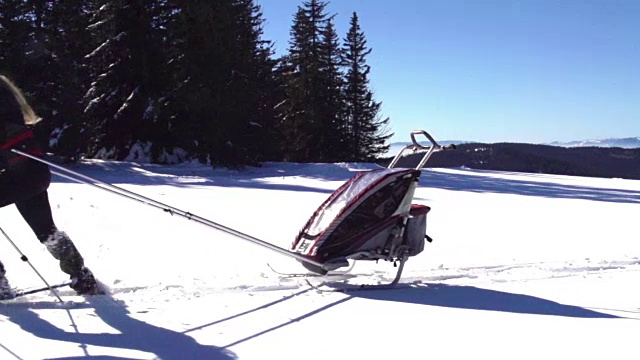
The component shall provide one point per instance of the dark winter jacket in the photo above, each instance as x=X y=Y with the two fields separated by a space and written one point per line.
x=20 y=177
x=13 y=132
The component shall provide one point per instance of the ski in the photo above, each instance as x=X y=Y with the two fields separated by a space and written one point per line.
x=20 y=293
x=312 y=274
x=326 y=287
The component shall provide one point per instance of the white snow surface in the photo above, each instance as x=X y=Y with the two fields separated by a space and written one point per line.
x=522 y=266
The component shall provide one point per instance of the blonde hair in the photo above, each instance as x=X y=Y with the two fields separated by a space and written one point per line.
x=30 y=117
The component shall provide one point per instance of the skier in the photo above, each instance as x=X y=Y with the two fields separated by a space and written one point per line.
x=24 y=182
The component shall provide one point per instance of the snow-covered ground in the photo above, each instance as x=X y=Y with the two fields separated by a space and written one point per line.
x=523 y=266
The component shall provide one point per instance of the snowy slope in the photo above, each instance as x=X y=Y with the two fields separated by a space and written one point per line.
x=523 y=266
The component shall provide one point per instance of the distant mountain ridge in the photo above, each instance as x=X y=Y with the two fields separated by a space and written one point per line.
x=592 y=161
x=395 y=147
x=625 y=143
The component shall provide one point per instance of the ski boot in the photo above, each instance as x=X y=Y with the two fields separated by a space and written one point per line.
x=6 y=292
x=84 y=283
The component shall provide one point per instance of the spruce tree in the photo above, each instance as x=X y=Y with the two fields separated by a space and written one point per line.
x=293 y=71
x=333 y=137
x=63 y=77
x=367 y=129
x=250 y=94
x=42 y=43
x=223 y=81
x=125 y=78
x=310 y=75
x=19 y=24
x=16 y=31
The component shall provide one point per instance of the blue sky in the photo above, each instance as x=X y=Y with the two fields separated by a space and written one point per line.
x=521 y=71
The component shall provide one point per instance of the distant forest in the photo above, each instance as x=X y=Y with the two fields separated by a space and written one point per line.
x=604 y=162
x=170 y=81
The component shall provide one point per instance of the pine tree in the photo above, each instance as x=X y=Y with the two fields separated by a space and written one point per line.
x=249 y=102
x=295 y=136
x=201 y=67
x=14 y=34
x=125 y=78
x=367 y=130
x=311 y=106
x=42 y=51
x=17 y=29
x=224 y=79
x=147 y=77
x=334 y=135
x=63 y=77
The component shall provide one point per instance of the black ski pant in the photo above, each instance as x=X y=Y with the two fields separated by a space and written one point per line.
x=25 y=184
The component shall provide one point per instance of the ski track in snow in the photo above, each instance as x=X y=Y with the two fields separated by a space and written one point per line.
x=273 y=282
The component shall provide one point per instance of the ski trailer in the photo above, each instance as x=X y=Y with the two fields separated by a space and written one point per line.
x=370 y=217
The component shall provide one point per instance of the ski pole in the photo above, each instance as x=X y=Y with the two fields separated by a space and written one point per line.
x=84 y=179
x=24 y=258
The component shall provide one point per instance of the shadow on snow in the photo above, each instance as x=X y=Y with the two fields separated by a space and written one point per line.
x=167 y=344
x=277 y=176
x=474 y=298
x=133 y=334
x=117 y=173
